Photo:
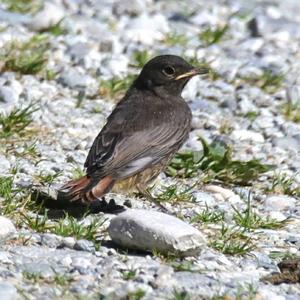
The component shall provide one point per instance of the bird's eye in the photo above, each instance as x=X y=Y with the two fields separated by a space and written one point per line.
x=168 y=71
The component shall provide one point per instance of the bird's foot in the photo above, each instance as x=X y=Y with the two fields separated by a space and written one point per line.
x=147 y=194
x=158 y=204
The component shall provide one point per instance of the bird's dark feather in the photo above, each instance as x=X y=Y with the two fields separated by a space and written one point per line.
x=125 y=141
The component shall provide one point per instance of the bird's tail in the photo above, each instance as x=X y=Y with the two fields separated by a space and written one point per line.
x=85 y=189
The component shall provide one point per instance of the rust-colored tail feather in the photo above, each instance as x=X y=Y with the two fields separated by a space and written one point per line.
x=85 y=190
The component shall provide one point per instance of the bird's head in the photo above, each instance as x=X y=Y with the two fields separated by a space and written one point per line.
x=169 y=73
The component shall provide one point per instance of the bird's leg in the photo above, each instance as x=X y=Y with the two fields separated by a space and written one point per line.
x=147 y=194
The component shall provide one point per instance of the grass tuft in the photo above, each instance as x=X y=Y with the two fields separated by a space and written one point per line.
x=136 y=295
x=269 y=81
x=16 y=121
x=249 y=220
x=55 y=29
x=18 y=204
x=32 y=277
x=29 y=149
x=38 y=223
x=25 y=57
x=183 y=266
x=174 y=39
x=169 y=257
x=77 y=173
x=23 y=6
x=174 y=193
x=116 y=87
x=208 y=216
x=232 y=241
x=251 y=115
x=129 y=274
x=247 y=291
x=46 y=179
x=215 y=161
x=291 y=110
x=59 y=279
x=284 y=184
x=278 y=255
x=211 y=36
x=6 y=187
x=10 y=204
x=140 y=58
x=50 y=74
x=70 y=226
x=180 y=295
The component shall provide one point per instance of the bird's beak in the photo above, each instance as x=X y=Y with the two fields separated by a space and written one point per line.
x=193 y=72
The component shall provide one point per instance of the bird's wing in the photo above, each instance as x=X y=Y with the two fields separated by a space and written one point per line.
x=126 y=146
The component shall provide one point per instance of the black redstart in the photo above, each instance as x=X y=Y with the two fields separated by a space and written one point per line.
x=141 y=135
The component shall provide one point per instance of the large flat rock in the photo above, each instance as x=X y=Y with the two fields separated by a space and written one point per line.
x=151 y=230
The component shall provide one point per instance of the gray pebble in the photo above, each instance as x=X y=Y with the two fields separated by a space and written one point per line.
x=84 y=245
x=287 y=143
x=76 y=79
x=42 y=268
x=81 y=262
x=50 y=240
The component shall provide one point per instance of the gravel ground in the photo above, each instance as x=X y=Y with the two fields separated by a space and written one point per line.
x=64 y=64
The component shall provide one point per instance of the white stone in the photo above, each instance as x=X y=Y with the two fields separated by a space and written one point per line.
x=204 y=17
x=274 y=12
x=69 y=242
x=50 y=15
x=253 y=45
x=5 y=257
x=293 y=250
x=151 y=230
x=147 y=29
x=204 y=198
x=116 y=66
x=225 y=193
x=8 y=291
x=6 y=227
x=9 y=94
x=75 y=78
x=250 y=71
x=4 y=165
x=247 y=135
x=267 y=294
x=81 y=262
x=278 y=203
x=66 y=261
x=277 y=215
x=234 y=199
x=190 y=91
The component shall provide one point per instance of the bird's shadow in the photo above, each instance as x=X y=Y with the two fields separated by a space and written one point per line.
x=57 y=207
x=54 y=203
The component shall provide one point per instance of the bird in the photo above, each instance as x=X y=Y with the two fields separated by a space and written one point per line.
x=141 y=135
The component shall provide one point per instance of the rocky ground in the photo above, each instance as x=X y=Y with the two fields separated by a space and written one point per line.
x=64 y=64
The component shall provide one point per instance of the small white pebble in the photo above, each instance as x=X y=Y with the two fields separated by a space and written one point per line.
x=66 y=261
x=293 y=250
x=277 y=215
x=226 y=193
